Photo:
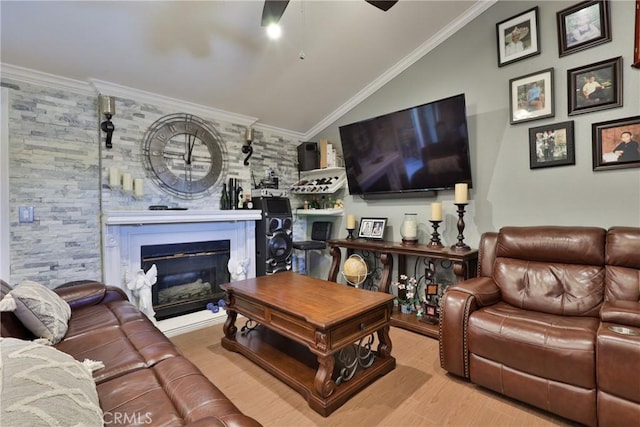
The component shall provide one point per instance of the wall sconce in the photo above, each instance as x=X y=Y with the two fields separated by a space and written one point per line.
x=247 y=148
x=108 y=108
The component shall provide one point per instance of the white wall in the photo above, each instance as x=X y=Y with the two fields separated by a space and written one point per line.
x=506 y=191
x=4 y=184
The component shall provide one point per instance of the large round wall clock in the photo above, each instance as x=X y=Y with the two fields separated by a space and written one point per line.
x=184 y=155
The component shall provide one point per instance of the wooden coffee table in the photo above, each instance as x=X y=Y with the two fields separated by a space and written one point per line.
x=314 y=335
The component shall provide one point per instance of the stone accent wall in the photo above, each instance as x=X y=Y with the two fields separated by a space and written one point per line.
x=53 y=166
x=58 y=164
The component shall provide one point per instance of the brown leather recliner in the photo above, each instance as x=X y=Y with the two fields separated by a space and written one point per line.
x=529 y=326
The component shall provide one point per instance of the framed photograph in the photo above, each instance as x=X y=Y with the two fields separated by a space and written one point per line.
x=595 y=87
x=551 y=145
x=518 y=37
x=582 y=26
x=636 y=48
x=531 y=97
x=372 y=228
x=616 y=144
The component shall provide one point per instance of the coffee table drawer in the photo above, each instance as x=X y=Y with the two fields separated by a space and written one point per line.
x=356 y=328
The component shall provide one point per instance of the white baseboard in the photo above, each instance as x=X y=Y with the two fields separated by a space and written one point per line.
x=191 y=322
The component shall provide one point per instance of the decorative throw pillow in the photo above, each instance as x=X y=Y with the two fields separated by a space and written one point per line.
x=40 y=310
x=42 y=386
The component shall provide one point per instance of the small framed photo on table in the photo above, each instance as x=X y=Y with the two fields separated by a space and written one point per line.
x=551 y=145
x=595 y=87
x=531 y=97
x=372 y=228
x=582 y=26
x=518 y=37
x=616 y=144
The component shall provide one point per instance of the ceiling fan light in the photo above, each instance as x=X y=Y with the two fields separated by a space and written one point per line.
x=274 y=31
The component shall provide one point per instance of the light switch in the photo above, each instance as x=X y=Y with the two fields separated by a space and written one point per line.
x=25 y=213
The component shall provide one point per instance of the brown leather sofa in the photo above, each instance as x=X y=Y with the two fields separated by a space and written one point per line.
x=145 y=378
x=553 y=320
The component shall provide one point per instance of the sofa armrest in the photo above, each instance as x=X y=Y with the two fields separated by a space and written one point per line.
x=458 y=302
x=86 y=293
x=621 y=312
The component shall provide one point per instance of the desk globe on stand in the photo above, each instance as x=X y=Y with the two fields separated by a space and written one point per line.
x=355 y=270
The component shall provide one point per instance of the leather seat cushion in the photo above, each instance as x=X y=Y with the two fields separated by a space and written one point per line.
x=558 y=348
x=180 y=394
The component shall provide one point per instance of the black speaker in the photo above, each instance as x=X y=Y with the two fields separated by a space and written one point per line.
x=308 y=156
x=274 y=242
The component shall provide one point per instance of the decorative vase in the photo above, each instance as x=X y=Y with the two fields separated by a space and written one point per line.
x=409 y=229
x=405 y=308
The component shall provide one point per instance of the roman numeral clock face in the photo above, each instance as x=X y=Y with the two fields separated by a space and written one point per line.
x=184 y=155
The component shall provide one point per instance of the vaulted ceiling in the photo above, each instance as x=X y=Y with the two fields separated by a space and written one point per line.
x=216 y=54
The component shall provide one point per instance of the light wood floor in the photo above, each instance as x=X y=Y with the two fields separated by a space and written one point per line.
x=417 y=393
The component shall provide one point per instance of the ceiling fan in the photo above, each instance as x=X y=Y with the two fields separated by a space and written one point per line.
x=273 y=9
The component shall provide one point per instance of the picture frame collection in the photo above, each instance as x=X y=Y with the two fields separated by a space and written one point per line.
x=592 y=87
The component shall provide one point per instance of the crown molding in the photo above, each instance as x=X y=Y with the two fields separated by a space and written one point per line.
x=399 y=67
x=95 y=87
x=39 y=78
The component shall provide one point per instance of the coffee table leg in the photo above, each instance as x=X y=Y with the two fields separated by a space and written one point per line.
x=229 y=327
x=323 y=383
x=384 y=347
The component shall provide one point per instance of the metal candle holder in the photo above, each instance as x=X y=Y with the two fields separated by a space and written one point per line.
x=435 y=237
x=350 y=231
x=460 y=246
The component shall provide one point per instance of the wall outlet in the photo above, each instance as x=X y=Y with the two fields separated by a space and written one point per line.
x=25 y=213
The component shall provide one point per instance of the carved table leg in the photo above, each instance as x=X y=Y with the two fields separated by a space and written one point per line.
x=384 y=347
x=323 y=383
x=229 y=327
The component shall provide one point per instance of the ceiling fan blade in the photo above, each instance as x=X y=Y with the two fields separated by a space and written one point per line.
x=382 y=5
x=272 y=11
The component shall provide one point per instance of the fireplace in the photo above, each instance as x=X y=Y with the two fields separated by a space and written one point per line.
x=189 y=275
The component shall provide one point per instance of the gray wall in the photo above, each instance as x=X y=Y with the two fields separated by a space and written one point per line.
x=506 y=191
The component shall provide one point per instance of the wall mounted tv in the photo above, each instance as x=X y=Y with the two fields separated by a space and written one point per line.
x=408 y=152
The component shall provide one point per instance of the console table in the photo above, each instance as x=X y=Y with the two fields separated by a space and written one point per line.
x=465 y=263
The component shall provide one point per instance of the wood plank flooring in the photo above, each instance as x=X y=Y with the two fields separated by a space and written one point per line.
x=417 y=393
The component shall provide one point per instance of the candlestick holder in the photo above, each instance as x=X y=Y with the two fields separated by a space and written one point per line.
x=460 y=246
x=350 y=231
x=435 y=237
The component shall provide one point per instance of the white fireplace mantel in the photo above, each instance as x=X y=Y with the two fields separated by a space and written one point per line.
x=125 y=232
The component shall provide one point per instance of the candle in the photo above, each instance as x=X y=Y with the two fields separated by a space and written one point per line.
x=436 y=211
x=461 y=193
x=114 y=177
x=127 y=182
x=351 y=222
x=138 y=187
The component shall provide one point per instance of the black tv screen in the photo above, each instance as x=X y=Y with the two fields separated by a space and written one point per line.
x=423 y=148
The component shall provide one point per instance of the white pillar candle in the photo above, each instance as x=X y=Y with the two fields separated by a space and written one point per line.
x=138 y=187
x=436 y=211
x=351 y=222
x=461 y=193
x=114 y=177
x=127 y=182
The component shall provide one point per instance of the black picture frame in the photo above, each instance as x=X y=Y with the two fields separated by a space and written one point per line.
x=372 y=228
x=582 y=26
x=636 y=43
x=595 y=87
x=552 y=145
x=532 y=97
x=606 y=139
x=524 y=26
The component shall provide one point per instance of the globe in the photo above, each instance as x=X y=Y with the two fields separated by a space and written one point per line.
x=354 y=270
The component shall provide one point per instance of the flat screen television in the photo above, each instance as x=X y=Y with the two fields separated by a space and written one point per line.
x=408 y=152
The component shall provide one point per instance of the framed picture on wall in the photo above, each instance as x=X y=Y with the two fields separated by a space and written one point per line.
x=372 y=228
x=531 y=97
x=582 y=26
x=595 y=87
x=616 y=144
x=518 y=37
x=552 y=145
x=636 y=48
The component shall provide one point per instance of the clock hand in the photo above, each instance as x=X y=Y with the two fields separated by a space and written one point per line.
x=192 y=143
